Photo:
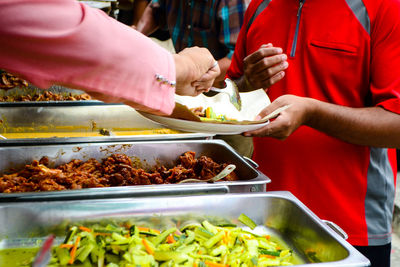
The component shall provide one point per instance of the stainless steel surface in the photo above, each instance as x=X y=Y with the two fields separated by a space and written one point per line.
x=252 y=162
x=146 y=155
x=80 y=119
x=337 y=229
x=276 y=213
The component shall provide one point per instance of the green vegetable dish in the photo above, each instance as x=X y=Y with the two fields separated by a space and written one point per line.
x=187 y=242
x=195 y=244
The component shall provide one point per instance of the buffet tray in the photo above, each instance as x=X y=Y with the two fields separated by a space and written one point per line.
x=145 y=154
x=279 y=214
x=77 y=124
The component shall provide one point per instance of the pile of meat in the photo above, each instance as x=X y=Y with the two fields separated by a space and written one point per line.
x=116 y=170
x=45 y=96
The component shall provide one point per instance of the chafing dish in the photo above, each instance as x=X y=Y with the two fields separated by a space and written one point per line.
x=146 y=154
x=82 y=123
x=276 y=213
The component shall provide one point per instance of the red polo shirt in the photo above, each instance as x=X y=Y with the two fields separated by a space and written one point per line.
x=347 y=53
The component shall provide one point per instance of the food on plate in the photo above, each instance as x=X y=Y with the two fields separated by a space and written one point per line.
x=115 y=170
x=207 y=114
x=193 y=243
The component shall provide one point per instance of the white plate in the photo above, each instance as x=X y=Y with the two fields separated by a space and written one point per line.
x=203 y=127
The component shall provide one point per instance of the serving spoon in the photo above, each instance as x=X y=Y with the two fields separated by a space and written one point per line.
x=232 y=91
x=43 y=256
x=227 y=170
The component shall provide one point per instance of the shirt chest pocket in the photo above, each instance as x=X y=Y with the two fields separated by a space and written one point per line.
x=336 y=63
x=337 y=49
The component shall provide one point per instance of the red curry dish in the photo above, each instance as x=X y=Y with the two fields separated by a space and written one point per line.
x=116 y=170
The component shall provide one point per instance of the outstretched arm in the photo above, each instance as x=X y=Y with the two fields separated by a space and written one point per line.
x=372 y=126
x=69 y=43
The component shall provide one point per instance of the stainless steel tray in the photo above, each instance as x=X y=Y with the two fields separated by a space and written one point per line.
x=79 y=124
x=276 y=213
x=148 y=154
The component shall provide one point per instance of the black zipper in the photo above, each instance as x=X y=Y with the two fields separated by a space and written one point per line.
x=296 y=33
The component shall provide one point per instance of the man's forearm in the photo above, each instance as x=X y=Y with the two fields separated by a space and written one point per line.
x=139 y=6
x=147 y=23
x=372 y=126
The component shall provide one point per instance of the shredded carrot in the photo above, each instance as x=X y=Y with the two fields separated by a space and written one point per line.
x=147 y=247
x=199 y=252
x=268 y=256
x=278 y=248
x=268 y=237
x=170 y=239
x=144 y=229
x=194 y=264
x=85 y=229
x=73 y=250
x=213 y=264
x=66 y=246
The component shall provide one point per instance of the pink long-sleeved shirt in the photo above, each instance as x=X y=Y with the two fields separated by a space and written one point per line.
x=69 y=43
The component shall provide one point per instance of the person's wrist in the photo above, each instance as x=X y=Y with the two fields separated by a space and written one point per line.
x=311 y=108
x=178 y=67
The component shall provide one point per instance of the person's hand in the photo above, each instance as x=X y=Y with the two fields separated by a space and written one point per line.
x=265 y=67
x=206 y=80
x=288 y=120
x=194 y=64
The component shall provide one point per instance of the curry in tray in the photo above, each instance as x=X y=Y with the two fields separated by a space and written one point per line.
x=115 y=170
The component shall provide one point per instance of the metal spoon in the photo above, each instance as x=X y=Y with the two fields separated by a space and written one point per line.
x=227 y=170
x=232 y=91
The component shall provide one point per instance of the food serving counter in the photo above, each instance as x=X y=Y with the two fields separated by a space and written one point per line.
x=67 y=130
x=144 y=154
x=278 y=214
